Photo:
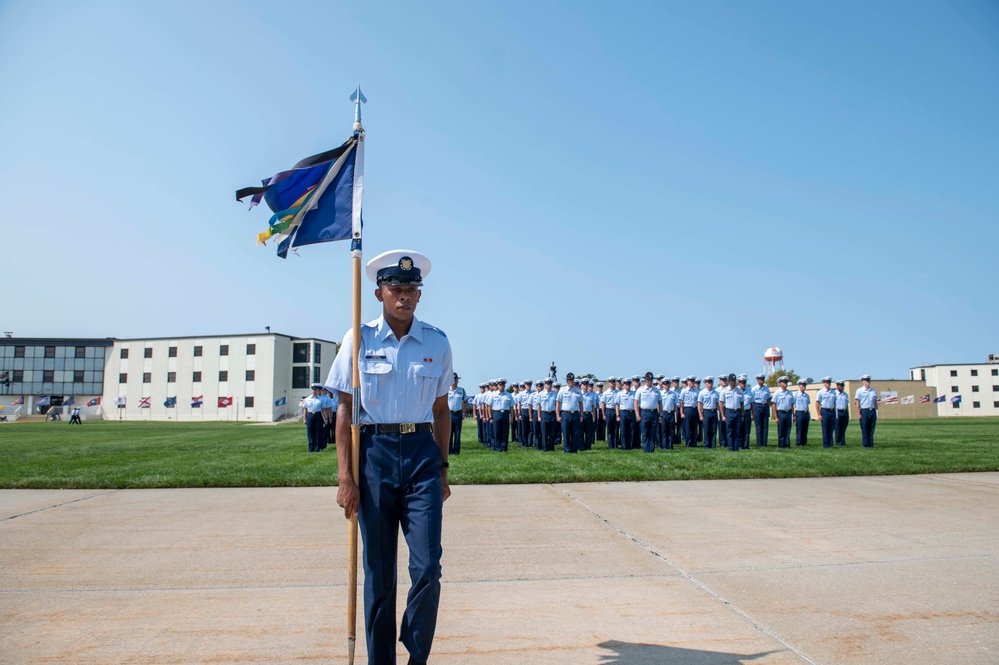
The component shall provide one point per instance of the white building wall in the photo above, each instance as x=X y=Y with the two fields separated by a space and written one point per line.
x=975 y=383
x=220 y=376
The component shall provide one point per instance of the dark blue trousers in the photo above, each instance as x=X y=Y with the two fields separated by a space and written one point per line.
x=314 y=431
x=784 y=429
x=400 y=488
x=601 y=426
x=571 y=431
x=627 y=428
x=454 y=445
x=690 y=426
x=536 y=426
x=842 y=421
x=828 y=427
x=650 y=419
x=668 y=430
x=589 y=431
x=722 y=429
x=868 y=420
x=710 y=425
x=761 y=418
x=733 y=426
x=501 y=430
x=801 y=419
x=479 y=427
x=613 y=431
x=548 y=426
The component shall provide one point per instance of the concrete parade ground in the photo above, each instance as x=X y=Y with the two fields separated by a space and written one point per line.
x=901 y=569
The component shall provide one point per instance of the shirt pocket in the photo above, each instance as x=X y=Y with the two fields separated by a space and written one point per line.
x=375 y=377
x=426 y=378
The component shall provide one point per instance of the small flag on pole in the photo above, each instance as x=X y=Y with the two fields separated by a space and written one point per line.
x=908 y=399
x=144 y=402
x=94 y=402
x=196 y=402
x=924 y=399
x=941 y=398
x=282 y=401
x=18 y=401
x=956 y=399
x=69 y=401
x=224 y=402
x=119 y=401
x=170 y=402
x=43 y=401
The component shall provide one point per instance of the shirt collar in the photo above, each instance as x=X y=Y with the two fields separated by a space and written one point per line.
x=383 y=331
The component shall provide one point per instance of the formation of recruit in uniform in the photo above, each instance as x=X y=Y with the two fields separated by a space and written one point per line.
x=319 y=416
x=656 y=412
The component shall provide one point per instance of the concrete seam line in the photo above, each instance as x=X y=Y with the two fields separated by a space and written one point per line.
x=58 y=505
x=688 y=576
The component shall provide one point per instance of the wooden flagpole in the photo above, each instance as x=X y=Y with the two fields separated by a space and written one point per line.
x=355 y=374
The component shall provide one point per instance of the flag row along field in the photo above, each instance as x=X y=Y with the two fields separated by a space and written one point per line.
x=112 y=455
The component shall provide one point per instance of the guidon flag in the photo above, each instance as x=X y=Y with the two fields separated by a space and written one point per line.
x=224 y=402
x=196 y=401
x=94 y=402
x=144 y=402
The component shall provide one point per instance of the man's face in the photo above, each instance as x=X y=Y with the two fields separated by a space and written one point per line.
x=801 y=388
x=742 y=384
x=648 y=383
x=709 y=385
x=759 y=381
x=399 y=301
x=867 y=383
x=548 y=385
x=783 y=386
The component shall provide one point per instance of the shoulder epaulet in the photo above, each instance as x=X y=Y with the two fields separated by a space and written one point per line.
x=427 y=326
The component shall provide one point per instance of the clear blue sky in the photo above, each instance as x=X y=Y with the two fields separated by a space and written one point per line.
x=671 y=186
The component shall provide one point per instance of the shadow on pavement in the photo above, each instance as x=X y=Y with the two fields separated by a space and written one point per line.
x=629 y=653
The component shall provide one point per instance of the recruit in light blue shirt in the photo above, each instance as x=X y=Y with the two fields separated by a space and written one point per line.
x=456 y=399
x=868 y=398
x=761 y=394
x=784 y=400
x=801 y=401
x=400 y=379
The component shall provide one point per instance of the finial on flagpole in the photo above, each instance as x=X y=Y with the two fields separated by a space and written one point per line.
x=358 y=98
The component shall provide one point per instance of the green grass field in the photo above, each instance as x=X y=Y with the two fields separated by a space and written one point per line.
x=133 y=455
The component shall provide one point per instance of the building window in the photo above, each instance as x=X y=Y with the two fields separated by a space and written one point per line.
x=956 y=405
x=81 y=352
x=974 y=372
x=48 y=376
x=223 y=349
x=317 y=352
x=197 y=352
x=974 y=389
x=50 y=352
x=18 y=376
x=172 y=352
x=123 y=378
x=171 y=377
x=124 y=354
x=315 y=375
x=953 y=389
x=995 y=372
x=299 y=377
x=953 y=372
x=77 y=376
x=196 y=377
x=922 y=374
x=147 y=352
x=995 y=389
x=976 y=405
x=147 y=377
x=251 y=349
x=248 y=402
x=300 y=352
x=19 y=352
x=995 y=405
x=250 y=374
x=223 y=375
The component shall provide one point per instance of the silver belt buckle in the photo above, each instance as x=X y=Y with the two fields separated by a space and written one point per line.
x=407 y=428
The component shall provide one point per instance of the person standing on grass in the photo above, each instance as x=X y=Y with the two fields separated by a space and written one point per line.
x=730 y=405
x=601 y=433
x=456 y=404
x=670 y=406
x=801 y=414
x=626 y=414
x=591 y=402
x=842 y=412
x=825 y=407
x=312 y=416
x=867 y=406
x=783 y=406
x=405 y=368
x=648 y=411
x=707 y=410
x=761 y=410
x=608 y=404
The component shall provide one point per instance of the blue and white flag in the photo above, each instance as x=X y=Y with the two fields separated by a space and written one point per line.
x=170 y=402
x=69 y=401
x=956 y=399
x=317 y=201
x=282 y=401
x=942 y=398
x=43 y=401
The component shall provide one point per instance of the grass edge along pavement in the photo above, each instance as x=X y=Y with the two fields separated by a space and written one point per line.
x=112 y=455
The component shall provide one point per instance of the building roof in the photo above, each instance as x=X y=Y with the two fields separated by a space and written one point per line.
x=109 y=341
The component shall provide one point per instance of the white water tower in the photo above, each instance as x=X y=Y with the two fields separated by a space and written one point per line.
x=773 y=360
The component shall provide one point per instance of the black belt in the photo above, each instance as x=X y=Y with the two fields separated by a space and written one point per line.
x=784 y=410
x=397 y=428
x=456 y=412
